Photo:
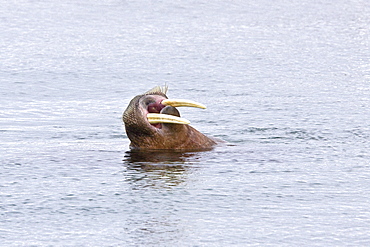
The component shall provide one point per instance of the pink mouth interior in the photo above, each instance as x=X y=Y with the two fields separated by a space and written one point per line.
x=156 y=108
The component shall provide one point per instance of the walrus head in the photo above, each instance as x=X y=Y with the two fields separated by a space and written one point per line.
x=153 y=122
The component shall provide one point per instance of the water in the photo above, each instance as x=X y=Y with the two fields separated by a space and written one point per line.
x=287 y=85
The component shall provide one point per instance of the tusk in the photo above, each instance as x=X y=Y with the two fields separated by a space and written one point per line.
x=154 y=118
x=182 y=102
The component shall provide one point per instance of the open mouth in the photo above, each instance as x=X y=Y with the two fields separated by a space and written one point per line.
x=158 y=113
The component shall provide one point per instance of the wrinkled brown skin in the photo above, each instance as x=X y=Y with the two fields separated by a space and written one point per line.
x=144 y=136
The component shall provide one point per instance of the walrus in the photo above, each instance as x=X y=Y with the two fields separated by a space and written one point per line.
x=152 y=122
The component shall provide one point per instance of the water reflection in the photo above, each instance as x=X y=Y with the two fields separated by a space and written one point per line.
x=162 y=169
x=164 y=158
x=156 y=180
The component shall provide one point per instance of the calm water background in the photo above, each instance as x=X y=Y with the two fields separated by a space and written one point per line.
x=287 y=84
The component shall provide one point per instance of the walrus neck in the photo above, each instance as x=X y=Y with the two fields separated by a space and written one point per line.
x=171 y=137
x=185 y=137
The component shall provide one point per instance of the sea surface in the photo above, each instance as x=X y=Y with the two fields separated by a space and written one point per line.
x=287 y=86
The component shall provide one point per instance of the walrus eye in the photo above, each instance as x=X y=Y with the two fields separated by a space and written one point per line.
x=148 y=101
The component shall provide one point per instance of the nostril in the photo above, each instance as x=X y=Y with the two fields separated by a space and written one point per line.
x=170 y=110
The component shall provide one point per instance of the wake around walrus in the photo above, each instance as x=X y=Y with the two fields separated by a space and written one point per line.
x=153 y=122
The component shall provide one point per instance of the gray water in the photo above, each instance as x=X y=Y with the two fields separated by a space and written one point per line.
x=287 y=85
